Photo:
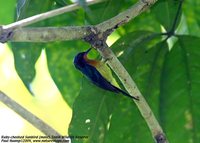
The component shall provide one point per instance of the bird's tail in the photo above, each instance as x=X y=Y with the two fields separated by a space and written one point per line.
x=126 y=94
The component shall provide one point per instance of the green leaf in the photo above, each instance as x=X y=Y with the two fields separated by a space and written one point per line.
x=191 y=17
x=127 y=125
x=92 y=112
x=32 y=7
x=100 y=12
x=165 y=12
x=26 y=66
x=62 y=2
x=117 y=119
x=25 y=59
x=60 y=58
x=83 y=4
x=26 y=54
x=145 y=21
x=6 y=11
x=145 y=66
x=197 y=11
x=180 y=91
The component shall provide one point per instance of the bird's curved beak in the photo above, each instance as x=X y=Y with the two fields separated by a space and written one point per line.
x=86 y=52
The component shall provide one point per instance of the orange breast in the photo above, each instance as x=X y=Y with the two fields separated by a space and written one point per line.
x=91 y=62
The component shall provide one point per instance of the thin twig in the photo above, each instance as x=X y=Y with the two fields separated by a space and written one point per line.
x=46 y=15
x=31 y=118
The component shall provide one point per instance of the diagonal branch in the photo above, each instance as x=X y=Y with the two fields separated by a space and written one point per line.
x=132 y=88
x=98 y=40
x=46 y=15
x=24 y=113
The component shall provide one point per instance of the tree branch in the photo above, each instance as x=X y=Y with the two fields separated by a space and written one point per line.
x=73 y=32
x=127 y=15
x=97 y=40
x=31 y=118
x=6 y=31
x=131 y=87
x=49 y=34
x=100 y=33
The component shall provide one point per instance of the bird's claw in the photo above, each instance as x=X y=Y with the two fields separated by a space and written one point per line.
x=105 y=60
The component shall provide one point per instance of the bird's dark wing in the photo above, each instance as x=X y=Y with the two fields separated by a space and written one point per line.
x=95 y=77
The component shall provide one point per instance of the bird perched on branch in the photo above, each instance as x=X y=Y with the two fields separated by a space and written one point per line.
x=93 y=70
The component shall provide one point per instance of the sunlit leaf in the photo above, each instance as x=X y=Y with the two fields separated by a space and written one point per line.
x=25 y=58
x=26 y=66
x=6 y=12
x=26 y=54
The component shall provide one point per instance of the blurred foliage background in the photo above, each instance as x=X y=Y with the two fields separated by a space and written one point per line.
x=42 y=78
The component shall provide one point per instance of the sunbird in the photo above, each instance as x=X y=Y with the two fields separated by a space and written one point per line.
x=92 y=70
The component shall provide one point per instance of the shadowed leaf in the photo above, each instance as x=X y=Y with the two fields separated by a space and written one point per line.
x=165 y=12
x=180 y=91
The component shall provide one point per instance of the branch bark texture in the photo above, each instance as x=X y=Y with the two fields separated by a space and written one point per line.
x=47 y=34
x=131 y=87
